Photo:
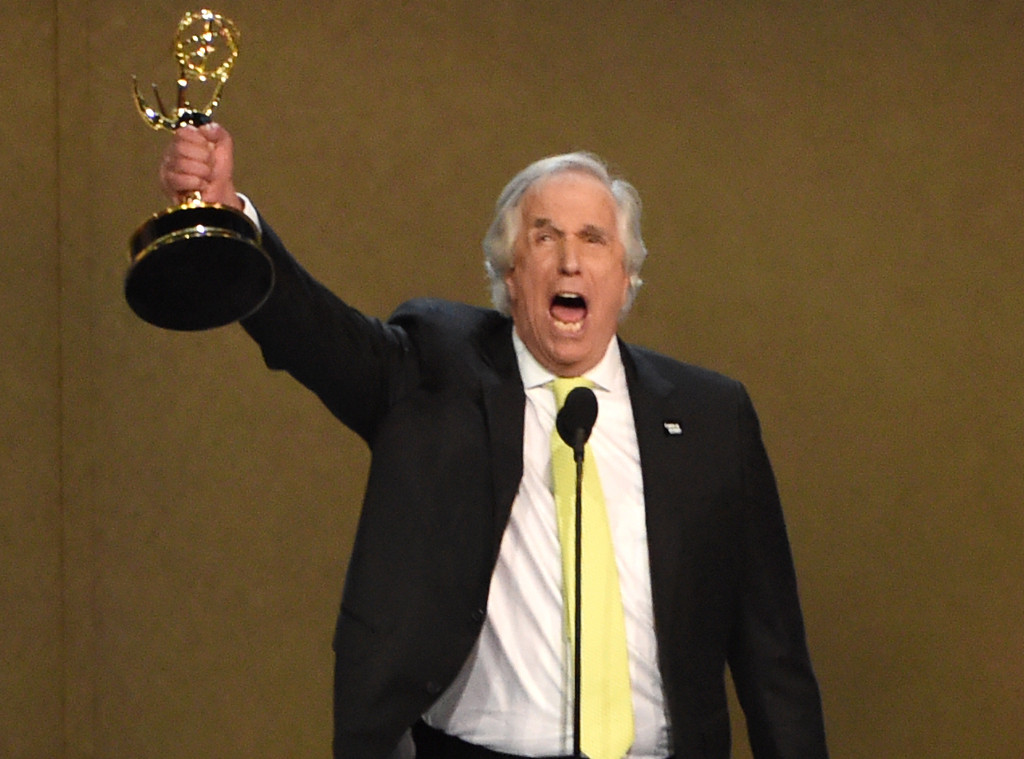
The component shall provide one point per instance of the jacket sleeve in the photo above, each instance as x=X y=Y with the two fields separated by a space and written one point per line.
x=768 y=655
x=355 y=364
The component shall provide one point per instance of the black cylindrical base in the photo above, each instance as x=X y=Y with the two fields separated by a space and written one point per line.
x=197 y=267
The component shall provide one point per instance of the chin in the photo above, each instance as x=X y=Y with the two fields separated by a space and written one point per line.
x=572 y=361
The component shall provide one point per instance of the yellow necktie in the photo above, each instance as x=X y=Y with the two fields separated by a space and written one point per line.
x=606 y=707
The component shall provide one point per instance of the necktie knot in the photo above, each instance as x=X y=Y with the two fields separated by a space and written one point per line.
x=562 y=386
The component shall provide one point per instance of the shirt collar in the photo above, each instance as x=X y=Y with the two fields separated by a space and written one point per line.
x=608 y=374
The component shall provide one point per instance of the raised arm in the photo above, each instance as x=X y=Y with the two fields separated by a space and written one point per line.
x=356 y=365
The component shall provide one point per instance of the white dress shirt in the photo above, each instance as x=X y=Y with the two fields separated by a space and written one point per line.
x=514 y=693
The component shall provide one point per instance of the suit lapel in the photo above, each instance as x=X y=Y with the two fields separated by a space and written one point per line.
x=657 y=410
x=504 y=402
x=661 y=412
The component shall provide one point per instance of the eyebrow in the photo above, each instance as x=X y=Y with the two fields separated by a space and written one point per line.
x=541 y=223
x=588 y=230
x=592 y=230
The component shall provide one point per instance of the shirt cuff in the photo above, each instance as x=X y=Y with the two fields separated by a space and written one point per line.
x=250 y=210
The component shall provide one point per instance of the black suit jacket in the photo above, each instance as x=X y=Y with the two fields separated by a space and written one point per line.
x=436 y=394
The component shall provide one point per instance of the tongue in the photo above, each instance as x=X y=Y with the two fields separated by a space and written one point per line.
x=568 y=313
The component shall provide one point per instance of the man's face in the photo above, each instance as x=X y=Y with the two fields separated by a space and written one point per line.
x=568 y=280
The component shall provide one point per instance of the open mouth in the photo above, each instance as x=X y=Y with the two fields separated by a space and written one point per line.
x=569 y=310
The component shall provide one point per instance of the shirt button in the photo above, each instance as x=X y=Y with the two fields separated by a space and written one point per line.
x=478 y=615
x=433 y=688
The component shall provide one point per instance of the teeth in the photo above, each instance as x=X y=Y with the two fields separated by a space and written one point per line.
x=569 y=326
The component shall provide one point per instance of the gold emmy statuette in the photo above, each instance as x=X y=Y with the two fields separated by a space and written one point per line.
x=198 y=265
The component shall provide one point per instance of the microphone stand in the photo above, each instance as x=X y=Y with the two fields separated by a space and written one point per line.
x=574 y=423
x=577 y=450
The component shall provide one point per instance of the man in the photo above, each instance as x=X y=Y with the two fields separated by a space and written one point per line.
x=452 y=624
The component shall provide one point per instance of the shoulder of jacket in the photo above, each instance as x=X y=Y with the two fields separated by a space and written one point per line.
x=674 y=370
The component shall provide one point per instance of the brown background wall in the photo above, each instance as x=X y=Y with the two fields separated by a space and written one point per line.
x=833 y=195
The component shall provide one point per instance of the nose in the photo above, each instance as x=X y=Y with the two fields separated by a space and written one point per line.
x=569 y=259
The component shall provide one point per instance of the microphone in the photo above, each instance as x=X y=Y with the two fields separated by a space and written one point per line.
x=576 y=419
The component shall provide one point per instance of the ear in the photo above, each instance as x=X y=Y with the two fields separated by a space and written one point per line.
x=510 y=283
x=626 y=278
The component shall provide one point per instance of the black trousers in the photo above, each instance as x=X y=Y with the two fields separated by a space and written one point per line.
x=434 y=744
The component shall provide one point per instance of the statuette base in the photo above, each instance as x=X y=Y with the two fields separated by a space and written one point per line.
x=197 y=267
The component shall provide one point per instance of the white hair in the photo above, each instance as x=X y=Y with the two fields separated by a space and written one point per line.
x=500 y=239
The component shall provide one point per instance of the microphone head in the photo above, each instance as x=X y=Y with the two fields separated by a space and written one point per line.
x=576 y=419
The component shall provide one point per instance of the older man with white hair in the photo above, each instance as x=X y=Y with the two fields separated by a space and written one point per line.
x=456 y=635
